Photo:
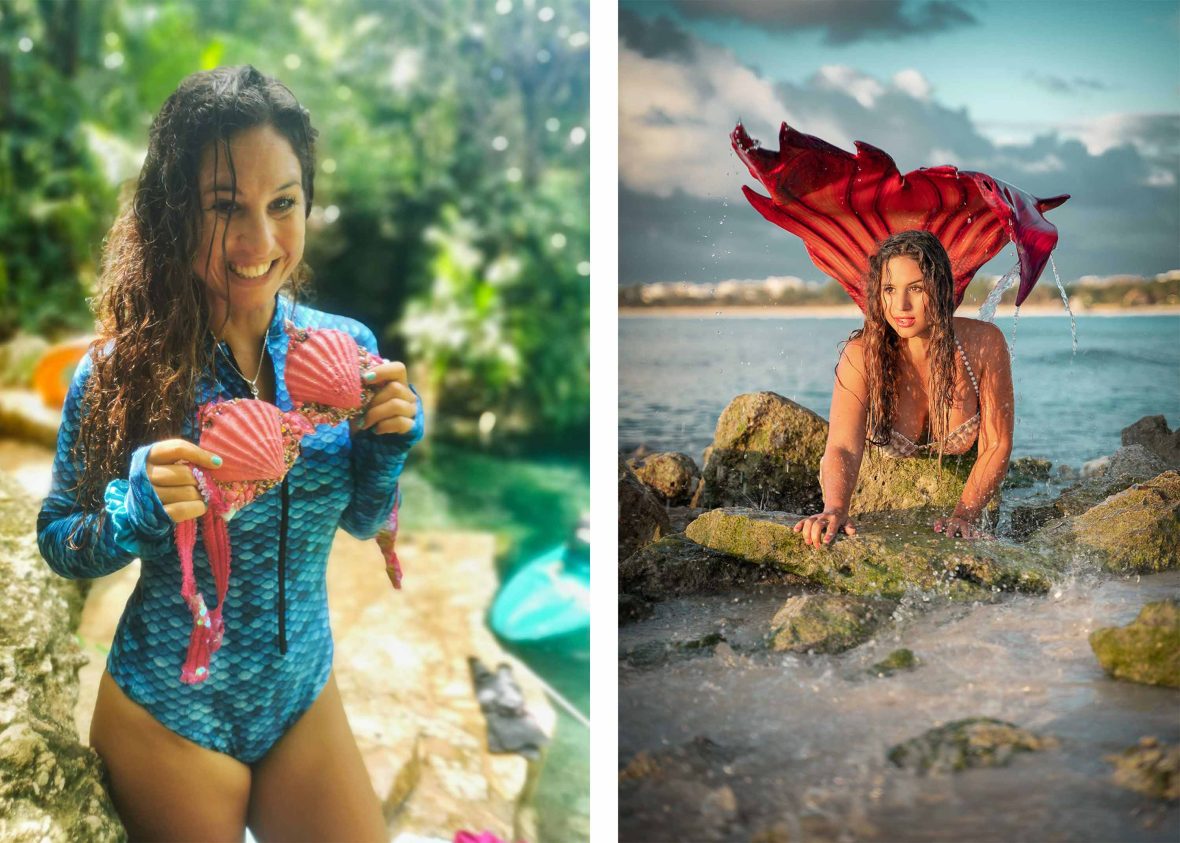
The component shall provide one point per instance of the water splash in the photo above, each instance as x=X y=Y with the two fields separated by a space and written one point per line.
x=987 y=310
x=1073 y=325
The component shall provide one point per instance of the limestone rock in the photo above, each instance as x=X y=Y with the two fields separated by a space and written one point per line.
x=1152 y=432
x=1125 y=467
x=1145 y=650
x=891 y=552
x=642 y=519
x=1151 y=768
x=765 y=453
x=886 y=483
x=963 y=744
x=1134 y=531
x=1026 y=471
x=675 y=566
x=51 y=786
x=827 y=623
x=671 y=476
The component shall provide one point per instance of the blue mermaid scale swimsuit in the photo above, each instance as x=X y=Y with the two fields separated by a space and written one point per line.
x=276 y=654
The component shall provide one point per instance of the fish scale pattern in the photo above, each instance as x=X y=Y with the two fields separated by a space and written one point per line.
x=254 y=691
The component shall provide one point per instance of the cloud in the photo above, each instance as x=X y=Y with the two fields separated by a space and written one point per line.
x=682 y=215
x=655 y=38
x=1061 y=85
x=841 y=21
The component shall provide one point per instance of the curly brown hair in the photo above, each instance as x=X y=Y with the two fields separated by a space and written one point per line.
x=882 y=344
x=152 y=309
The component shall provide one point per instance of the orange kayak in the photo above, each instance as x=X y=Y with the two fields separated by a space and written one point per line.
x=55 y=370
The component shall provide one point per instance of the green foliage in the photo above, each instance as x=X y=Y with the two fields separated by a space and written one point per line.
x=451 y=207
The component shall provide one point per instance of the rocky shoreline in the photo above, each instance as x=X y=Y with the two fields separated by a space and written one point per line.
x=1122 y=518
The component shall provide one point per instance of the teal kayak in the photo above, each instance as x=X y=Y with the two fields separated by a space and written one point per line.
x=547 y=598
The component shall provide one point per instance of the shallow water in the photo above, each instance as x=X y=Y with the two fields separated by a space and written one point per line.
x=801 y=739
x=679 y=373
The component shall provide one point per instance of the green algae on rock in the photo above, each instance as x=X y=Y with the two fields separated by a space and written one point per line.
x=891 y=553
x=885 y=483
x=1134 y=531
x=765 y=452
x=1026 y=471
x=964 y=744
x=898 y=660
x=1147 y=649
x=827 y=623
x=671 y=476
x=1150 y=768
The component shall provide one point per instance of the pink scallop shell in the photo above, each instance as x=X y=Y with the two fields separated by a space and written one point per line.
x=324 y=369
x=248 y=436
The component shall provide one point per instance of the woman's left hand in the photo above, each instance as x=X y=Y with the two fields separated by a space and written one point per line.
x=959 y=527
x=395 y=406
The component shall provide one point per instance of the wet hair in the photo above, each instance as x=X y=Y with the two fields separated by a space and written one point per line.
x=882 y=343
x=152 y=309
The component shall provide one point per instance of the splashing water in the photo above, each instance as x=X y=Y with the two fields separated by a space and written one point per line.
x=987 y=310
x=1073 y=325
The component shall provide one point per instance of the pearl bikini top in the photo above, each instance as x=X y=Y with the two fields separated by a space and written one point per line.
x=958 y=441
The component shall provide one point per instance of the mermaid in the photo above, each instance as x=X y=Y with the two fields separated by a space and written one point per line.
x=915 y=379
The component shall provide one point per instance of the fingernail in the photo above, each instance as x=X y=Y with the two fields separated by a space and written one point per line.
x=370 y=376
x=216 y=461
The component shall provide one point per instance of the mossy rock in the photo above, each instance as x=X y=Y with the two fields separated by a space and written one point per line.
x=676 y=566
x=891 y=553
x=896 y=661
x=1150 y=768
x=965 y=744
x=642 y=519
x=1134 y=531
x=765 y=452
x=827 y=623
x=671 y=476
x=1147 y=649
x=1026 y=471
x=885 y=483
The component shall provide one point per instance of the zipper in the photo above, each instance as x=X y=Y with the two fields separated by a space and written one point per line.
x=283 y=573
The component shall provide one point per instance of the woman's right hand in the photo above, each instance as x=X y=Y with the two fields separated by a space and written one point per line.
x=819 y=530
x=169 y=472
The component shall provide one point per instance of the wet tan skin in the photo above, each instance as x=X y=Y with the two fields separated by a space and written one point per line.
x=313 y=784
x=904 y=297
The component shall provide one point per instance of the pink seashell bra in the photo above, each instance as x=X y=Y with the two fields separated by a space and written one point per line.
x=259 y=443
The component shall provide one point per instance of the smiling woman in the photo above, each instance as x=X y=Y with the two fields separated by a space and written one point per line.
x=199 y=318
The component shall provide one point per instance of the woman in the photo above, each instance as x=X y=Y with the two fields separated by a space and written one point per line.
x=200 y=278
x=916 y=380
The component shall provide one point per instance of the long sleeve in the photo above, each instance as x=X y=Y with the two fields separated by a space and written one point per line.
x=74 y=542
x=377 y=462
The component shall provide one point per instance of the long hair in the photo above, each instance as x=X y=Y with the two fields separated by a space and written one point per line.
x=152 y=310
x=882 y=344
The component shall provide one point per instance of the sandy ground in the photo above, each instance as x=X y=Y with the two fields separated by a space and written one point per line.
x=852 y=311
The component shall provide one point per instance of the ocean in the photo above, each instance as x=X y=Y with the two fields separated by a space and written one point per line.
x=676 y=375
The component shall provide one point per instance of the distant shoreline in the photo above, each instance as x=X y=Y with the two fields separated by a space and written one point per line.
x=852 y=311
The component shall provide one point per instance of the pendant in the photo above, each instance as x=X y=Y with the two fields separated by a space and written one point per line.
x=253 y=389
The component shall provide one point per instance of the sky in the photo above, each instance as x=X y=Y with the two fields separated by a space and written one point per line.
x=1053 y=97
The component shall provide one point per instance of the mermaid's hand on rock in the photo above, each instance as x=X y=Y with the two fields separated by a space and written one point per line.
x=959 y=528
x=820 y=530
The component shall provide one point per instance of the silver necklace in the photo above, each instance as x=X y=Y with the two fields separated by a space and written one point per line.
x=253 y=384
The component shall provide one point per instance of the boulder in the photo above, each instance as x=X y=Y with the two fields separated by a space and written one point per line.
x=1150 y=768
x=642 y=519
x=51 y=785
x=1152 y=433
x=964 y=744
x=1125 y=467
x=674 y=566
x=885 y=483
x=896 y=661
x=1134 y=531
x=1147 y=649
x=765 y=453
x=671 y=476
x=1026 y=471
x=891 y=553
x=827 y=623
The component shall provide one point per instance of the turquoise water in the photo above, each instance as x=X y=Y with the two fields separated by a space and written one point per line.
x=530 y=504
x=677 y=374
